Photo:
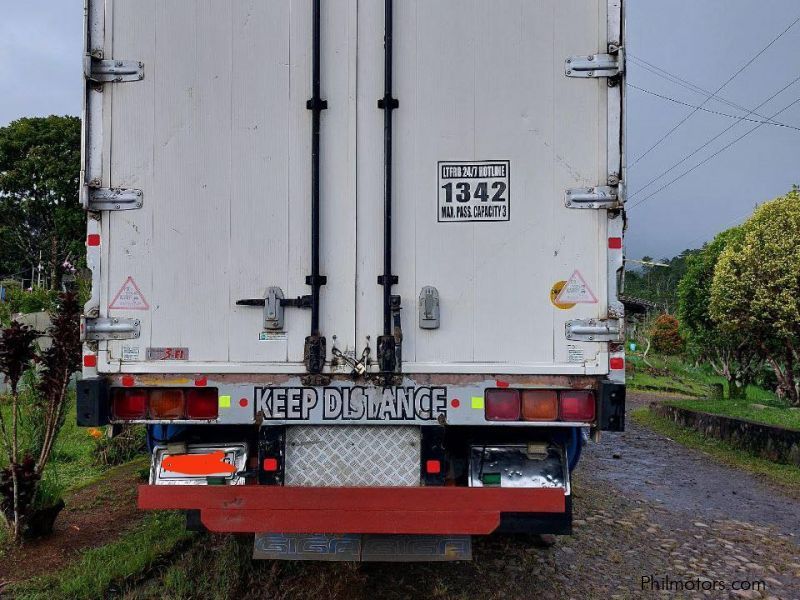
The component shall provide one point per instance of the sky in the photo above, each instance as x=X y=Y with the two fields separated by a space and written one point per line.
x=701 y=42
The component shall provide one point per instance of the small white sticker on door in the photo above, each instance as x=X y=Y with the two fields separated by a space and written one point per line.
x=576 y=291
x=474 y=192
x=129 y=297
x=130 y=353
x=575 y=354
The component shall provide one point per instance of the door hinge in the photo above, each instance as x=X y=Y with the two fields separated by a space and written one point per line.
x=596 y=65
x=99 y=198
x=602 y=196
x=594 y=330
x=111 y=328
x=102 y=70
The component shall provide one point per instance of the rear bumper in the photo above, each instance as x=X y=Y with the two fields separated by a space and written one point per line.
x=385 y=510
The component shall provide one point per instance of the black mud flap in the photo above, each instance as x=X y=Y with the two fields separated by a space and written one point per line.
x=92 y=402
x=612 y=406
x=538 y=523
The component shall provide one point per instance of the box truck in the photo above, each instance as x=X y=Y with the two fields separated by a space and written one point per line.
x=356 y=264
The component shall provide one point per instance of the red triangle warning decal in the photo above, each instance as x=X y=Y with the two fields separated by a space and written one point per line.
x=576 y=291
x=129 y=297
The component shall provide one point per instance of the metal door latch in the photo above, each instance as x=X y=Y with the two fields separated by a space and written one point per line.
x=596 y=65
x=429 y=308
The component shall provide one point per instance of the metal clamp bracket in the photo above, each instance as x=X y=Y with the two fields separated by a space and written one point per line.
x=603 y=196
x=112 y=328
x=112 y=198
x=594 y=330
x=596 y=65
x=112 y=71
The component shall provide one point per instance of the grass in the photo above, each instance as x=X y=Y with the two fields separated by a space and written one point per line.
x=115 y=564
x=673 y=374
x=787 y=476
x=776 y=412
x=73 y=461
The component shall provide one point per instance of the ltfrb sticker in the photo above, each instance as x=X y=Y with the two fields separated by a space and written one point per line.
x=471 y=192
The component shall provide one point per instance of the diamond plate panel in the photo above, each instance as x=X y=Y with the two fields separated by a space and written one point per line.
x=352 y=456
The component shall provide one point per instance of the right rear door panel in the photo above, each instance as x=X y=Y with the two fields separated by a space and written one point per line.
x=483 y=81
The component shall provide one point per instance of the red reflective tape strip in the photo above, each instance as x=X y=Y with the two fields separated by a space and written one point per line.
x=93 y=239
x=616 y=363
x=615 y=243
x=501 y=384
x=90 y=360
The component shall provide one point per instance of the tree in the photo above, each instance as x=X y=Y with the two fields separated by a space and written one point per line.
x=731 y=354
x=756 y=288
x=40 y=215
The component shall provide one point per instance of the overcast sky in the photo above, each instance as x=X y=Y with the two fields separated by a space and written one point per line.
x=702 y=42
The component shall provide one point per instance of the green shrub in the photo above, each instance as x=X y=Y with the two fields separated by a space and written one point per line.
x=665 y=335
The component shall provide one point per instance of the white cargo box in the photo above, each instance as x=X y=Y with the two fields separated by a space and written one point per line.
x=507 y=159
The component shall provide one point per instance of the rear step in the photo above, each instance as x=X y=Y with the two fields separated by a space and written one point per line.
x=362 y=548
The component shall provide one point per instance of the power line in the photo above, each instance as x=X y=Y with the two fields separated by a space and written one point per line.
x=713 y=139
x=719 y=89
x=700 y=164
x=708 y=110
x=677 y=80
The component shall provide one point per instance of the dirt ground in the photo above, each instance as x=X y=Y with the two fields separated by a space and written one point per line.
x=93 y=516
x=648 y=513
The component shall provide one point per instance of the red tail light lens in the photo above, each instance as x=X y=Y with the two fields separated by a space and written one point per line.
x=129 y=404
x=577 y=405
x=167 y=403
x=539 y=405
x=502 y=405
x=202 y=403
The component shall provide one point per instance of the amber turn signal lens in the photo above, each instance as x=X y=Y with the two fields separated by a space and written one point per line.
x=167 y=403
x=539 y=405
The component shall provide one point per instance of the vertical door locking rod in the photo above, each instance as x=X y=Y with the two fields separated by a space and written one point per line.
x=315 y=351
x=389 y=341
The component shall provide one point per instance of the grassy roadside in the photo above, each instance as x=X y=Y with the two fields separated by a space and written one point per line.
x=112 y=565
x=786 y=476
x=769 y=412
x=673 y=374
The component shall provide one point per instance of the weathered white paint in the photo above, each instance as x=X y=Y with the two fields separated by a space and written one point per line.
x=218 y=137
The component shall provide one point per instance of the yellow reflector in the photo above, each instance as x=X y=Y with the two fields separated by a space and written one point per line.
x=477 y=402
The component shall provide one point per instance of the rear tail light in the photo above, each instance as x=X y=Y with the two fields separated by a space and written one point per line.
x=577 y=405
x=202 y=403
x=539 y=405
x=502 y=405
x=129 y=404
x=167 y=403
